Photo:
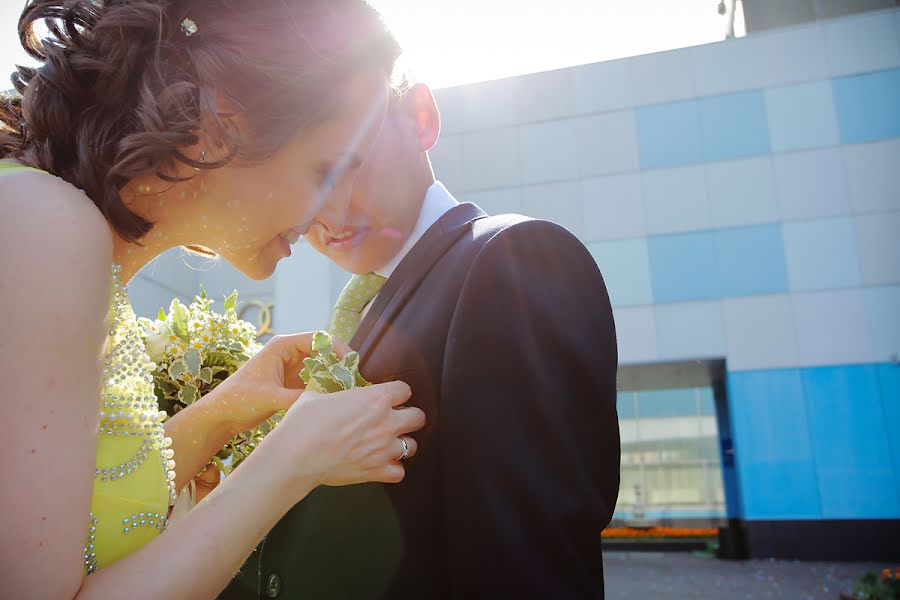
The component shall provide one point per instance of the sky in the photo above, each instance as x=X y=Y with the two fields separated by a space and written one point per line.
x=454 y=42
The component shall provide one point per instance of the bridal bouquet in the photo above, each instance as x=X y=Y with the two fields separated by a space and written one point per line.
x=195 y=349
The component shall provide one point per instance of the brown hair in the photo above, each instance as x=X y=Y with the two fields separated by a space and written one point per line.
x=123 y=88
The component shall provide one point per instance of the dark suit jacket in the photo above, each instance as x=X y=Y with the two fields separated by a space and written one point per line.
x=502 y=326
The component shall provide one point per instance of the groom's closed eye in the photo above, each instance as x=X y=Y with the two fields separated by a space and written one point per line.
x=331 y=172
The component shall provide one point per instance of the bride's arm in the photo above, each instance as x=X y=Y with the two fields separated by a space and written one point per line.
x=198 y=432
x=55 y=261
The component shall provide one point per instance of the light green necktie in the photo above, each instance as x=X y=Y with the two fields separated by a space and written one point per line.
x=358 y=292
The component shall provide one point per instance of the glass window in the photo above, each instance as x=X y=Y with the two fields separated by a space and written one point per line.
x=625 y=405
x=667 y=403
x=670 y=457
x=707 y=403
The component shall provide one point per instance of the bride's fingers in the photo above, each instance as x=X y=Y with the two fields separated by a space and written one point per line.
x=292 y=350
x=293 y=347
x=298 y=346
x=206 y=481
x=285 y=398
x=411 y=448
x=340 y=348
x=209 y=476
x=396 y=393
x=407 y=420
x=390 y=473
x=292 y=379
x=392 y=451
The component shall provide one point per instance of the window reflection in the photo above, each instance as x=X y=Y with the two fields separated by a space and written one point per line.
x=671 y=467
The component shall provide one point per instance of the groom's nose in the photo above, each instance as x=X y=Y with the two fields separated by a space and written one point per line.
x=333 y=215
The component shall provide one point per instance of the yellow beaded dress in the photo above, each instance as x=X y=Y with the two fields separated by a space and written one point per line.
x=134 y=483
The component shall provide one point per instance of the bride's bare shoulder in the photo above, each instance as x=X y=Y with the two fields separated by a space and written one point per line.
x=45 y=220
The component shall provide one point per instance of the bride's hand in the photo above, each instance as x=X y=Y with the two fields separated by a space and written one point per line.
x=206 y=481
x=268 y=383
x=346 y=437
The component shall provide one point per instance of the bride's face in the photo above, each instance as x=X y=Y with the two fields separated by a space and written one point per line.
x=251 y=216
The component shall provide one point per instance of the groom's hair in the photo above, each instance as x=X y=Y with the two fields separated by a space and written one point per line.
x=124 y=86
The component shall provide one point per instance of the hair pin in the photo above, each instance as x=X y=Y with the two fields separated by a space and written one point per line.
x=189 y=27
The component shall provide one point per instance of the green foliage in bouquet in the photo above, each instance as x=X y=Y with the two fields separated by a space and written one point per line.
x=195 y=349
x=324 y=372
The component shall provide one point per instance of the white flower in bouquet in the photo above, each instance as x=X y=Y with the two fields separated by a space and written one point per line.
x=157 y=336
x=195 y=349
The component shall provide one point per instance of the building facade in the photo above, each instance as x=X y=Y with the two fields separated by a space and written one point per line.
x=760 y=15
x=742 y=200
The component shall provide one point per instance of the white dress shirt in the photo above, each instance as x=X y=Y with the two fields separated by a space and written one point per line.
x=438 y=200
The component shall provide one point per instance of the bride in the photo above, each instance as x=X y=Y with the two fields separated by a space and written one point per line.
x=151 y=124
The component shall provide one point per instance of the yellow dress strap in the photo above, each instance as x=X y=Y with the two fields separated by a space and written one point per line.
x=8 y=167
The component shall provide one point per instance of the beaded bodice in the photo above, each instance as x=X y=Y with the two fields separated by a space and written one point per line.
x=134 y=484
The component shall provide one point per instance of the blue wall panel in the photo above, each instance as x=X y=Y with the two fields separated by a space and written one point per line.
x=669 y=135
x=854 y=462
x=751 y=261
x=868 y=106
x=683 y=267
x=734 y=126
x=772 y=446
x=889 y=386
x=721 y=263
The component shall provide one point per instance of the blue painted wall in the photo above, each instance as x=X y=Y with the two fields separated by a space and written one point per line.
x=819 y=442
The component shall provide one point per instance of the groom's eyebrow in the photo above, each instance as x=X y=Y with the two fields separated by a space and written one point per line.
x=333 y=169
x=350 y=160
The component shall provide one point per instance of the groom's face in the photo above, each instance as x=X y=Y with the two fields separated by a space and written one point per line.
x=364 y=233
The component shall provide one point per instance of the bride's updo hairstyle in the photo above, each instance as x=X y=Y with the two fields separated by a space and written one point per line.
x=125 y=85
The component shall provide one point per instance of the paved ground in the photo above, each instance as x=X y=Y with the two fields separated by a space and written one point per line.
x=683 y=576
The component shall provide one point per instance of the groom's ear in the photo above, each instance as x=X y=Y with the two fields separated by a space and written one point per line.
x=419 y=106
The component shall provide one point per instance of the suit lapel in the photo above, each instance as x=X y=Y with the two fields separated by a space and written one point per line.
x=410 y=273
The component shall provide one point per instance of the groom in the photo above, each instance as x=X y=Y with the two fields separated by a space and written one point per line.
x=503 y=328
